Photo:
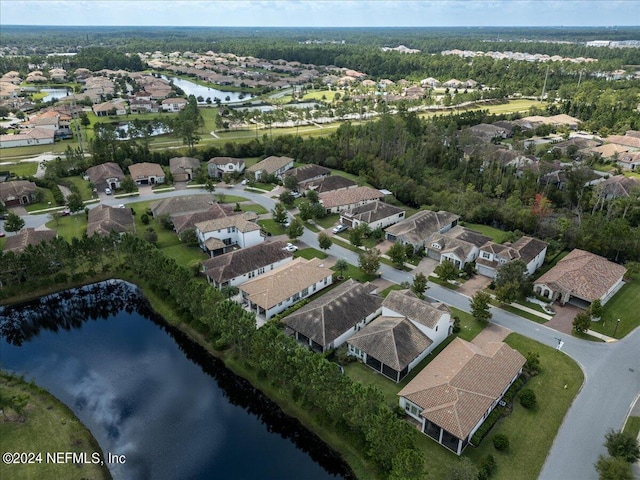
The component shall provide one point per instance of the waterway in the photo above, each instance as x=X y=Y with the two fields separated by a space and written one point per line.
x=147 y=392
x=191 y=88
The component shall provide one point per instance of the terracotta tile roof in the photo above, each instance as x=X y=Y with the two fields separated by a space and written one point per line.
x=28 y=236
x=329 y=316
x=238 y=221
x=145 y=169
x=104 y=219
x=277 y=285
x=270 y=164
x=583 y=274
x=223 y=268
x=372 y=212
x=395 y=341
x=16 y=189
x=419 y=227
x=349 y=196
x=184 y=221
x=182 y=204
x=405 y=303
x=462 y=382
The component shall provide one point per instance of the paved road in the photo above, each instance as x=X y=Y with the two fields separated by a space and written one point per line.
x=611 y=370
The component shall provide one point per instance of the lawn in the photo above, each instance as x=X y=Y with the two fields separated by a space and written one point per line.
x=625 y=306
x=389 y=289
x=224 y=198
x=69 y=227
x=632 y=427
x=83 y=187
x=531 y=432
x=368 y=242
x=273 y=227
x=495 y=234
x=469 y=326
x=263 y=186
x=187 y=256
x=21 y=169
x=310 y=253
x=46 y=202
x=253 y=207
x=328 y=221
x=49 y=427
x=357 y=274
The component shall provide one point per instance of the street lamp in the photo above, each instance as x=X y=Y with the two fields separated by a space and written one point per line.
x=616 y=329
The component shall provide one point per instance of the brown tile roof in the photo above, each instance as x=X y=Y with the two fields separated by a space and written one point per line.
x=100 y=173
x=178 y=165
x=145 y=169
x=332 y=182
x=182 y=204
x=28 y=236
x=627 y=140
x=583 y=274
x=226 y=160
x=238 y=221
x=277 y=285
x=233 y=264
x=525 y=249
x=618 y=186
x=104 y=219
x=16 y=189
x=395 y=341
x=184 y=221
x=329 y=316
x=405 y=303
x=307 y=172
x=419 y=227
x=462 y=382
x=349 y=196
x=372 y=212
x=270 y=164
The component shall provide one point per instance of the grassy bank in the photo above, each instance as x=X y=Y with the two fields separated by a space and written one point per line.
x=49 y=427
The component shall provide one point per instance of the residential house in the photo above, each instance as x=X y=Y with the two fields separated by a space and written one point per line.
x=222 y=234
x=453 y=395
x=457 y=245
x=183 y=169
x=185 y=221
x=18 y=192
x=580 y=278
x=629 y=160
x=28 y=236
x=307 y=173
x=182 y=205
x=146 y=173
x=631 y=141
x=376 y=214
x=406 y=332
x=328 y=321
x=174 y=104
x=219 y=166
x=418 y=229
x=31 y=136
x=618 y=186
x=487 y=132
x=283 y=287
x=239 y=266
x=103 y=220
x=106 y=175
x=110 y=108
x=493 y=255
x=338 y=201
x=330 y=183
x=270 y=166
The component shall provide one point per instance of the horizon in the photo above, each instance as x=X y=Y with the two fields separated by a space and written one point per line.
x=323 y=13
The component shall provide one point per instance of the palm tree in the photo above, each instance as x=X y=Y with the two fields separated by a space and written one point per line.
x=341 y=266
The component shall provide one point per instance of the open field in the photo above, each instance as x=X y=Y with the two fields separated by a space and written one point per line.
x=625 y=306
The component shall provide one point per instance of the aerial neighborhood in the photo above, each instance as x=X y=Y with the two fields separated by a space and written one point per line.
x=448 y=246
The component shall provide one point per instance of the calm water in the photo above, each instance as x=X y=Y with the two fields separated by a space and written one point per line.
x=148 y=393
x=55 y=93
x=196 y=90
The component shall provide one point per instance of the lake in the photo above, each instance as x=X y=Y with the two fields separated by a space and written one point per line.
x=148 y=392
x=191 y=88
x=56 y=93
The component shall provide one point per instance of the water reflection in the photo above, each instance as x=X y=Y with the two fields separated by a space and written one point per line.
x=132 y=385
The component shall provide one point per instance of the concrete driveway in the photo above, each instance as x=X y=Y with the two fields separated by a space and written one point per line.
x=562 y=321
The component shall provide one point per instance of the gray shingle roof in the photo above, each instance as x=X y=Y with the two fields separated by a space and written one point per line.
x=183 y=204
x=419 y=227
x=28 y=236
x=405 y=302
x=329 y=316
x=104 y=219
x=372 y=212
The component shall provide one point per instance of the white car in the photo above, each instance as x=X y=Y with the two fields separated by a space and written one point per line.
x=339 y=228
x=107 y=191
x=290 y=247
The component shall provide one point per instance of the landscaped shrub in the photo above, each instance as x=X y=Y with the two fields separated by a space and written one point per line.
x=527 y=398
x=144 y=218
x=501 y=442
x=487 y=467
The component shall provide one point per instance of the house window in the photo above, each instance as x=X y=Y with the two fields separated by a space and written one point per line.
x=252 y=274
x=485 y=255
x=305 y=292
x=260 y=270
x=326 y=280
x=436 y=328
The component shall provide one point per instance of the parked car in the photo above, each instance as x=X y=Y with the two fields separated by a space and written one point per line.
x=107 y=191
x=2 y=234
x=339 y=228
x=296 y=194
x=290 y=247
x=66 y=212
x=4 y=216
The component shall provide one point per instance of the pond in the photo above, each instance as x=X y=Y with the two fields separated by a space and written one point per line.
x=147 y=392
x=56 y=93
x=191 y=88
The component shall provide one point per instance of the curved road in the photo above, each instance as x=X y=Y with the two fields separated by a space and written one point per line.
x=611 y=370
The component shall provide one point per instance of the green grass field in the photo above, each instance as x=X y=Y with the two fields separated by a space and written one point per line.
x=69 y=227
x=272 y=227
x=357 y=274
x=495 y=234
x=21 y=169
x=625 y=306
x=83 y=187
x=632 y=426
x=49 y=427
x=310 y=253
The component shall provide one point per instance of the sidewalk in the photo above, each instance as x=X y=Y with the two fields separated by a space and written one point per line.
x=601 y=336
x=531 y=311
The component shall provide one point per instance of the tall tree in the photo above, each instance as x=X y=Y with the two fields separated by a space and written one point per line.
x=397 y=254
x=369 y=261
x=419 y=284
x=296 y=229
x=622 y=445
x=279 y=213
x=480 y=307
x=324 y=240
x=13 y=223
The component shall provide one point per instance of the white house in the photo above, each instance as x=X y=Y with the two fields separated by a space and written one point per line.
x=270 y=166
x=173 y=104
x=418 y=228
x=32 y=136
x=279 y=289
x=457 y=245
x=527 y=249
x=376 y=214
x=239 y=266
x=219 y=166
x=219 y=235
x=406 y=332
x=341 y=200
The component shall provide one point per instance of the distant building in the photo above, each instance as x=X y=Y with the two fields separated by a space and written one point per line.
x=19 y=192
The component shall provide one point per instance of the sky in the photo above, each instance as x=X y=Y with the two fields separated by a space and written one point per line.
x=322 y=13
